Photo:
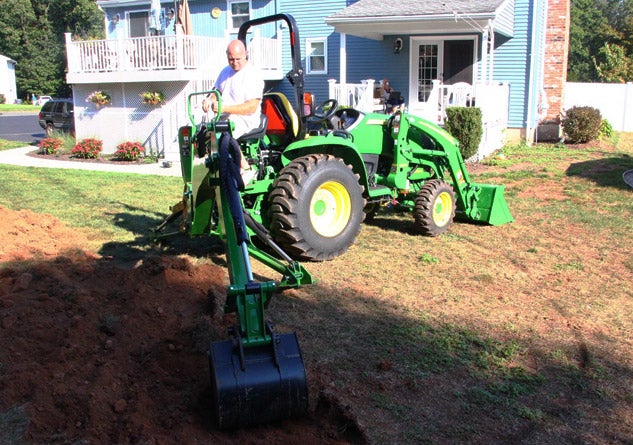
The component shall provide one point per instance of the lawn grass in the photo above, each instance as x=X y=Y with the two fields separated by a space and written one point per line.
x=17 y=108
x=114 y=207
x=8 y=145
x=520 y=333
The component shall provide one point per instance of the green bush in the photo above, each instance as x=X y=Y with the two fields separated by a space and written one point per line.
x=51 y=146
x=466 y=125
x=582 y=124
x=129 y=151
x=606 y=130
x=89 y=148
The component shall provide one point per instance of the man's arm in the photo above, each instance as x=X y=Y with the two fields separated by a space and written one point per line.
x=248 y=107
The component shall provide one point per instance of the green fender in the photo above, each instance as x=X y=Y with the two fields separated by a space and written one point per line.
x=341 y=147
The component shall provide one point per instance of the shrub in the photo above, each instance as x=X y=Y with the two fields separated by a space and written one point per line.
x=89 y=148
x=129 y=151
x=51 y=146
x=465 y=124
x=581 y=124
x=606 y=130
x=3 y=98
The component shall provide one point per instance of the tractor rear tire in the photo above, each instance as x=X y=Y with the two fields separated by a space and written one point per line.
x=434 y=208
x=316 y=208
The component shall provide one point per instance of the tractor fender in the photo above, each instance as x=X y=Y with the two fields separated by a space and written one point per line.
x=338 y=145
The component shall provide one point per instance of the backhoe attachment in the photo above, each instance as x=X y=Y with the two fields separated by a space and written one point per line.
x=258 y=376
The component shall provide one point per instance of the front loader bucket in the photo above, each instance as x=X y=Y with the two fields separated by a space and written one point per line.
x=490 y=205
x=264 y=384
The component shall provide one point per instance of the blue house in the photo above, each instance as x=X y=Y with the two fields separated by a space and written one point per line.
x=489 y=53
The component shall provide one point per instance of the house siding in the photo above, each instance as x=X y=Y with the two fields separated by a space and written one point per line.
x=311 y=25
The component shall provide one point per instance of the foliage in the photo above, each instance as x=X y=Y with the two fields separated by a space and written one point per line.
x=99 y=98
x=152 y=97
x=32 y=33
x=582 y=124
x=465 y=124
x=88 y=148
x=3 y=99
x=606 y=130
x=51 y=146
x=614 y=66
x=596 y=24
x=129 y=151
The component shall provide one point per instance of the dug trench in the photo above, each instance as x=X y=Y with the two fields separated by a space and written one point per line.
x=96 y=351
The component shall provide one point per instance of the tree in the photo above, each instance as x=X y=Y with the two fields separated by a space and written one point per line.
x=594 y=24
x=32 y=34
x=615 y=66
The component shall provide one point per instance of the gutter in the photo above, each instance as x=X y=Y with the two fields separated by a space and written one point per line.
x=406 y=18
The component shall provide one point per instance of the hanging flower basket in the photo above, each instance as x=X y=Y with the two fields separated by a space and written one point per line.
x=99 y=98
x=152 y=97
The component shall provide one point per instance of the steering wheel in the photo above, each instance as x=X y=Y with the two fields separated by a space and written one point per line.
x=321 y=115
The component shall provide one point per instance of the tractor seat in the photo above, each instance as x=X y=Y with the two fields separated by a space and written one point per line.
x=283 y=123
x=256 y=133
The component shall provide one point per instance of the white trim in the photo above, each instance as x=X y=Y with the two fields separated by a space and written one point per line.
x=308 y=47
x=229 y=15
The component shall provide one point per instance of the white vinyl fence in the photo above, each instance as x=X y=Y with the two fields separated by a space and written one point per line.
x=614 y=100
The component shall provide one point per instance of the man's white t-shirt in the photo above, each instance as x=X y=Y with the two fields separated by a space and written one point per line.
x=237 y=87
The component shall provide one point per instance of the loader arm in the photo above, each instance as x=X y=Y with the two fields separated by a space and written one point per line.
x=475 y=202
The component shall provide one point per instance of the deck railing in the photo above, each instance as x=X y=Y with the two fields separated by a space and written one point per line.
x=162 y=53
x=492 y=99
x=356 y=95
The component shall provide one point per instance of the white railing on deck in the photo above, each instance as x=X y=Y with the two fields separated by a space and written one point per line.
x=162 y=53
x=492 y=99
x=265 y=54
x=356 y=95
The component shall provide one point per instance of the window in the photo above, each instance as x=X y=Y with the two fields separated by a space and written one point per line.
x=316 y=49
x=137 y=23
x=239 y=12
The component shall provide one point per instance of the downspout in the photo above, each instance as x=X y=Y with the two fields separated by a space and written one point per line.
x=529 y=138
x=491 y=54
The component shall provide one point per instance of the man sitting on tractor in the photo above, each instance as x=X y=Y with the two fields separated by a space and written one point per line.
x=242 y=87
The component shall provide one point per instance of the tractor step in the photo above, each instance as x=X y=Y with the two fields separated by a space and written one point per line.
x=257 y=384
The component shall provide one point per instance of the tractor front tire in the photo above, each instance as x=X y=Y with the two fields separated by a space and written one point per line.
x=316 y=208
x=434 y=208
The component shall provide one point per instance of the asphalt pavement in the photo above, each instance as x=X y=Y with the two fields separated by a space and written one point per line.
x=19 y=156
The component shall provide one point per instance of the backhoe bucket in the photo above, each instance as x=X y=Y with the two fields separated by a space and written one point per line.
x=491 y=206
x=267 y=384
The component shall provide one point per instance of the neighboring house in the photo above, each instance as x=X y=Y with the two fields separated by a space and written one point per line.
x=506 y=56
x=7 y=79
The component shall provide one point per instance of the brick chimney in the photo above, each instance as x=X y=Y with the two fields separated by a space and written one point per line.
x=555 y=73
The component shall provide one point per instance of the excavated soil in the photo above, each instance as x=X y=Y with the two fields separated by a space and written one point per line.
x=95 y=352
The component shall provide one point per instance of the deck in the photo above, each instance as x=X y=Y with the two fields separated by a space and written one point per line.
x=161 y=58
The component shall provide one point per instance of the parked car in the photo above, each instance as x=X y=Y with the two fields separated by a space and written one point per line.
x=57 y=114
x=43 y=99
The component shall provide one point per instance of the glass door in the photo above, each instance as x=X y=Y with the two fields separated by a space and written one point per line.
x=426 y=60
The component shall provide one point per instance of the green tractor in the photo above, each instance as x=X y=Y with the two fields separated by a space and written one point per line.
x=315 y=174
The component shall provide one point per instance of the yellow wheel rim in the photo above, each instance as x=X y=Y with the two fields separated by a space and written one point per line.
x=330 y=209
x=442 y=209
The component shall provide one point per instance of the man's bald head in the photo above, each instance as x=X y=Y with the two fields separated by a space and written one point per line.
x=236 y=54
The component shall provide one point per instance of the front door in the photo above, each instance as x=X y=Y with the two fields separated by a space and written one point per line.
x=449 y=60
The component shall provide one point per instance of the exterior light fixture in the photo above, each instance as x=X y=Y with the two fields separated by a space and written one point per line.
x=397 y=46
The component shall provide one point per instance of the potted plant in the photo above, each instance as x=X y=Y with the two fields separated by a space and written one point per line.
x=99 y=98
x=152 y=97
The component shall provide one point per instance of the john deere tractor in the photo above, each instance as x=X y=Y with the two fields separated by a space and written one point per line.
x=315 y=173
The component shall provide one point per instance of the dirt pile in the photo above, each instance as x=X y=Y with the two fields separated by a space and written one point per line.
x=94 y=352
